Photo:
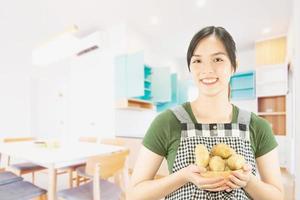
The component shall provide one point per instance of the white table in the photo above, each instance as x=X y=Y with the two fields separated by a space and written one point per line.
x=68 y=154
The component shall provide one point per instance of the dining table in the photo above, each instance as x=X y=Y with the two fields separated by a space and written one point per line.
x=56 y=156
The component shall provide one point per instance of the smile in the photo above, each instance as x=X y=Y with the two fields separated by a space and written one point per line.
x=209 y=81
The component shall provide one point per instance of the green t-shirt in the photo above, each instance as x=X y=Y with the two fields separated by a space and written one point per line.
x=163 y=135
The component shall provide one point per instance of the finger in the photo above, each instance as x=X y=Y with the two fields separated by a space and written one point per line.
x=198 y=169
x=206 y=181
x=228 y=190
x=247 y=168
x=241 y=176
x=237 y=181
x=232 y=185
x=214 y=185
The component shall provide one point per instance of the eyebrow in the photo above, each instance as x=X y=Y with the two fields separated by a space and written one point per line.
x=214 y=54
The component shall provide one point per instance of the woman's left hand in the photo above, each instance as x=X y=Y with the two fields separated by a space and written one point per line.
x=239 y=179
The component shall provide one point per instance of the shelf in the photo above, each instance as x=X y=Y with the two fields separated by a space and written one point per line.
x=134 y=104
x=147 y=81
x=273 y=109
x=242 y=86
x=237 y=89
x=271 y=104
x=271 y=113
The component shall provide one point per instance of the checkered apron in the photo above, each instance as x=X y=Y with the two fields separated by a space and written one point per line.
x=236 y=135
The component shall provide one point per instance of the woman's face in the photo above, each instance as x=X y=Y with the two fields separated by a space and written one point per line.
x=211 y=67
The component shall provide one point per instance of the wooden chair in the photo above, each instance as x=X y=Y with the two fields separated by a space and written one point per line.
x=101 y=169
x=24 y=167
x=12 y=187
x=88 y=139
x=71 y=169
x=81 y=176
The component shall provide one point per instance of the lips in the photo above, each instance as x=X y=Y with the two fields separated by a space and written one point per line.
x=209 y=81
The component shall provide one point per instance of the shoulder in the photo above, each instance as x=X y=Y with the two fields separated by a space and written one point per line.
x=168 y=116
x=262 y=135
x=259 y=124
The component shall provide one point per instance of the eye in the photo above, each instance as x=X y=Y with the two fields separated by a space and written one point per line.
x=196 y=61
x=218 y=60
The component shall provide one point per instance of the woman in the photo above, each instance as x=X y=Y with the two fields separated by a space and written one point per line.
x=208 y=120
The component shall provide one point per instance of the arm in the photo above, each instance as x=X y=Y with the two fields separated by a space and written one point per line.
x=142 y=185
x=270 y=185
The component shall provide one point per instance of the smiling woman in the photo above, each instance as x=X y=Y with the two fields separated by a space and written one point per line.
x=209 y=120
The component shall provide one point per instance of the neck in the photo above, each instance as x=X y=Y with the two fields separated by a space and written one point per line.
x=212 y=109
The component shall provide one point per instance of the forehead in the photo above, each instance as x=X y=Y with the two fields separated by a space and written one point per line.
x=209 y=45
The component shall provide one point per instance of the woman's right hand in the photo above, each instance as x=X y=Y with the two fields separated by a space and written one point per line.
x=192 y=173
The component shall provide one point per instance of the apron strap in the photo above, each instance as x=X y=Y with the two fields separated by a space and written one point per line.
x=244 y=117
x=181 y=114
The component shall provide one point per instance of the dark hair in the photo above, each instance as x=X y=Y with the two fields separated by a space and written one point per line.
x=222 y=35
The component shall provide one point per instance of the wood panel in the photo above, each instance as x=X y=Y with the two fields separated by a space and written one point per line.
x=269 y=52
x=272 y=104
x=277 y=122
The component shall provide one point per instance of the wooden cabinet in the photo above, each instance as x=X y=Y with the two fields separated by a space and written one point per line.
x=270 y=52
x=273 y=109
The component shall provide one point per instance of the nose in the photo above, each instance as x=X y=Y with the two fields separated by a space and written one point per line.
x=207 y=68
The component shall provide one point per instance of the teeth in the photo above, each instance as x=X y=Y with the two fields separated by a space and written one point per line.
x=209 y=80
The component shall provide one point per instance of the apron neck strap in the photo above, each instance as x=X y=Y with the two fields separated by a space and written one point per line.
x=244 y=117
x=181 y=114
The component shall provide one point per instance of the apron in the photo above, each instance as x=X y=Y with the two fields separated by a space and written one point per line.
x=236 y=135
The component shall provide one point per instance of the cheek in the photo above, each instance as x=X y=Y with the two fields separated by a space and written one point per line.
x=224 y=75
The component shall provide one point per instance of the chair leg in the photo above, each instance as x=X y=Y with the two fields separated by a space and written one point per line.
x=41 y=197
x=33 y=177
x=70 y=172
x=77 y=180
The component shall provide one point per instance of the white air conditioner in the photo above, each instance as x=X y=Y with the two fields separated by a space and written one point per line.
x=68 y=44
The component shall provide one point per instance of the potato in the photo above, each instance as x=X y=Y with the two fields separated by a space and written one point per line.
x=216 y=163
x=222 y=150
x=202 y=155
x=236 y=162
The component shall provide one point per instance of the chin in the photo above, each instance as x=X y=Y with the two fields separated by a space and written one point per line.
x=211 y=93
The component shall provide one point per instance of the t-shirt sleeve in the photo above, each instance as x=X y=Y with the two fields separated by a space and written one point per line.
x=264 y=138
x=156 y=138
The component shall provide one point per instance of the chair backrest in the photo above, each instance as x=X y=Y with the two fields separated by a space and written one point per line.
x=18 y=139
x=113 y=141
x=109 y=164
x=88 y=139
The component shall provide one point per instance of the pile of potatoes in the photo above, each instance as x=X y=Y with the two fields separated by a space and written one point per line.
x=220 y=161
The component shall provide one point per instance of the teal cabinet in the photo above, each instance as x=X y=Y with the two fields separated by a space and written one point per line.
x=147 y=84
x=134 y=79
x=135 y=74
x=129 y=75
x=179 y=94
x=161 y=84
x=242 y=86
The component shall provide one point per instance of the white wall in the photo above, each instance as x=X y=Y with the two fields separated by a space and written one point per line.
x=14 y=103
x=75 y=96
x=296 y=17
x=49 y=93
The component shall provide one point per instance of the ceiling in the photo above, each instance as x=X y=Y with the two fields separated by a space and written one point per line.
x=167 y=24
